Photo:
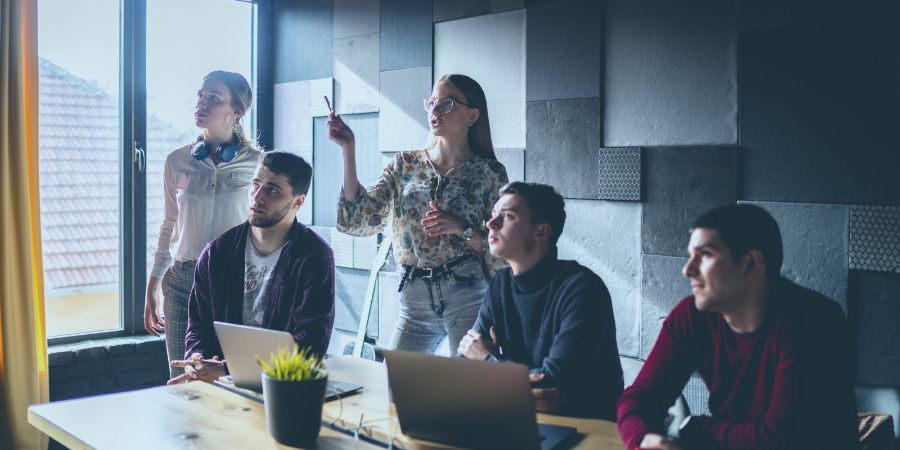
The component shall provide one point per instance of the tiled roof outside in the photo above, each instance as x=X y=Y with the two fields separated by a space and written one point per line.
x=79 y=179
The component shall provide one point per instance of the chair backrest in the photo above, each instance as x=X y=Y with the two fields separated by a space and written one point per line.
x=883 y=400
x=677 y=412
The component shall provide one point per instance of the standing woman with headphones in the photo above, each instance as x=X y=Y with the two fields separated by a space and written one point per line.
x=205 y=186
x=437 y=199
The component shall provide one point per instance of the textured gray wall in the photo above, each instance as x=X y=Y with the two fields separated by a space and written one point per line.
x=788 y=105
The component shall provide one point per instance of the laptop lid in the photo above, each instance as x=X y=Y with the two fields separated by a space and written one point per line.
x=473 y=404
x=241 y=344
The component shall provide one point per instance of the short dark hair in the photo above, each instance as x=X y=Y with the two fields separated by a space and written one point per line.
x=544 y=204
x=743 y=228
x=298 y=171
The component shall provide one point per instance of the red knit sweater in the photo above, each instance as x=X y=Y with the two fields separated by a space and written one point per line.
x=789 y=385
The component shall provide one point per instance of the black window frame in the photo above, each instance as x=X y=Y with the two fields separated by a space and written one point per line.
x=133 y=161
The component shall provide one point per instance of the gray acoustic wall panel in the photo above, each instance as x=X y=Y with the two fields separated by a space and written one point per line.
x=318 y=90
x=445 y=10
x=328 y=163
x=403 y=122
x=557 y=155
x=662 y=287
x=303 y=37
x=293 y=120
x=815 y=245
x=818 y=115
x=514 y=161
x=506 y=5
x=305 y=215
x=491 y=50
x=671 y=73
x=349 y=291
x=388 y=306
x=405 y=34
x=356 y=74
x=605 y=237
x=564 y=50
x=681 y=184
x=620 y=173
x=876 y=306
x=875 y=238
x=356 y=17
x=697 y=395
x=364 y=251
x=342 y=248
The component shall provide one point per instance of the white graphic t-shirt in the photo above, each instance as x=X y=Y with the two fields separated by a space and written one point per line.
x=258 y=272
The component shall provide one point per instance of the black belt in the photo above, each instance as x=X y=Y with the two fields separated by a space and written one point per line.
x=411 y=273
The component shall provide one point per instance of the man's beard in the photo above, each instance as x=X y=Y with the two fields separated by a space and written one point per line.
x=270 y=220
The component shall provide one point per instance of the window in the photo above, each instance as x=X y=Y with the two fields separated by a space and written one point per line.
x=100 y=206
x=174 y=74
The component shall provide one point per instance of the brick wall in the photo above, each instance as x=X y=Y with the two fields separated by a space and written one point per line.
x=106 y=366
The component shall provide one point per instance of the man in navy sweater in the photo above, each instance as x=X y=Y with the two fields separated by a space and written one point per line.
x=554 y=316
x=776 y=357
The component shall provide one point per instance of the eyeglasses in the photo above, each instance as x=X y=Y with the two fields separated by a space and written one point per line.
x=444 y=105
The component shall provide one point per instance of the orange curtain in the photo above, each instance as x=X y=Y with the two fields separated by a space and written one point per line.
x=23 y=344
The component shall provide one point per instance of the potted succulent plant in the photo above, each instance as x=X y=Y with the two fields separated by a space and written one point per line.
x=294 y=385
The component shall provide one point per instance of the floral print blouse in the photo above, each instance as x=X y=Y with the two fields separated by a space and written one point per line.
x=401 y=196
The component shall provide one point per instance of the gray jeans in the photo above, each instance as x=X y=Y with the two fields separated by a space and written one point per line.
x=434 y=308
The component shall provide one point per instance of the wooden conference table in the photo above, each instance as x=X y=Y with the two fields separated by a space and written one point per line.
x=201 y=416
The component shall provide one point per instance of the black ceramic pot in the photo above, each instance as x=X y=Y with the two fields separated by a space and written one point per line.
x=294 y=409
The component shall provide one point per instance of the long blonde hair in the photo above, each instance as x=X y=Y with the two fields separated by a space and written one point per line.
x=241 y=99
x=479 y=134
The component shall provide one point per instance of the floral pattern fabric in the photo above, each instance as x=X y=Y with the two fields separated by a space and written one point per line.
x=401 y=197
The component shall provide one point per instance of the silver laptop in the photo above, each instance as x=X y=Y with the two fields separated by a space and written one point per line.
x=241 y=344
x=472 y=404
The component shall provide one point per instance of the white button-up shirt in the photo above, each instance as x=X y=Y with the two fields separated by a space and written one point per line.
x=202 y=201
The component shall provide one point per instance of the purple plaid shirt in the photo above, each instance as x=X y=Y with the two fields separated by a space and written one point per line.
x=300 y=300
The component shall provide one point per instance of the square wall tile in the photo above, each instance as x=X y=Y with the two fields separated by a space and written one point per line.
x=318 y=89
x=818 y=114
x=364 y=251
x=564 y=50
x=671 y=74
x=305 y=215
x=491 y=50
x=697 y=395
x=388 y=305
x=662 y=287
x=406 y=30
x=815 y=241
x=875 y=301
x=349 y=292
x=293 y=119
x=605 y=237
x=681 y=184
x=311 y=23
x=875 y=238
x=445 y=10
x=403 y=122
x=620 y=173
x=328 y=165
x=356 y=74
x=558 y=156
x=514 y=161
x=356 y=17
x=342 y=246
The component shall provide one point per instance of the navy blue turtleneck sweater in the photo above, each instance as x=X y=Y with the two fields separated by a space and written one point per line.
x=557 y=319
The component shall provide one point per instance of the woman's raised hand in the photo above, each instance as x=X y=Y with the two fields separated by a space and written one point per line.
x=340 y=133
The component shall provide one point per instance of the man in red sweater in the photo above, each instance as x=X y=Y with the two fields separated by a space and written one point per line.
x=776 y=357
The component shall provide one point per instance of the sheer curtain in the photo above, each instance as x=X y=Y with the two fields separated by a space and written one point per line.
x=23 y=344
